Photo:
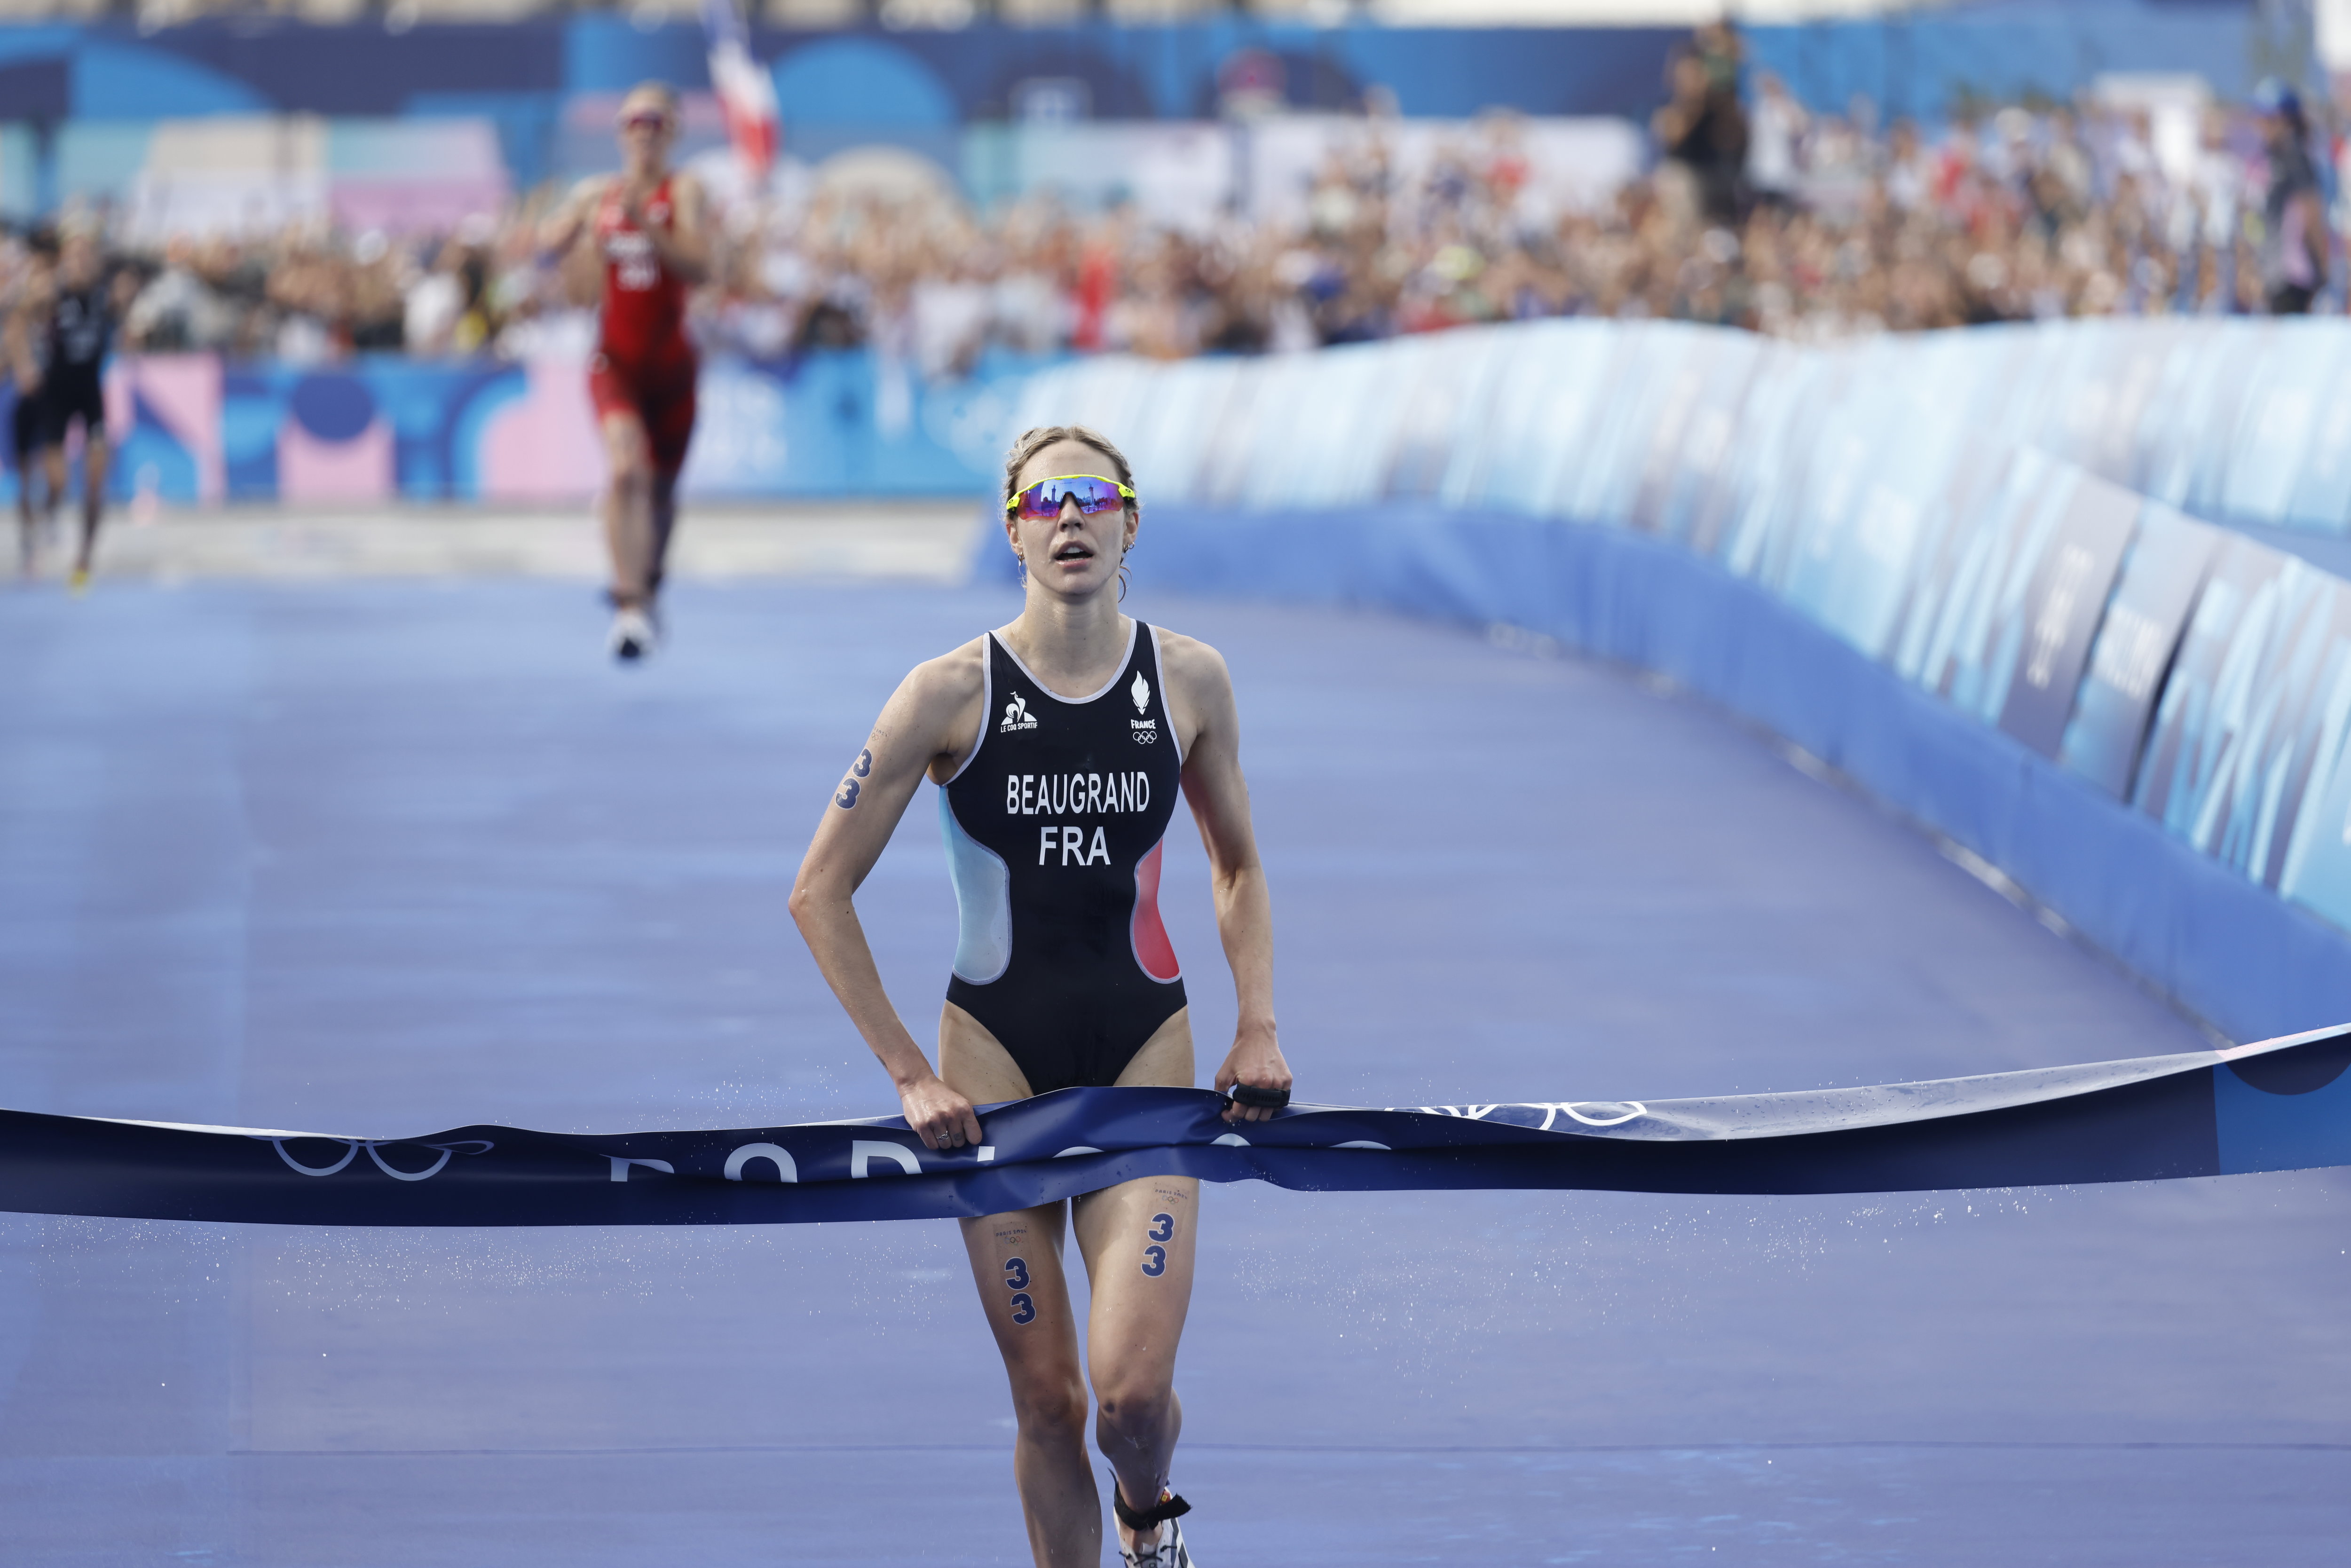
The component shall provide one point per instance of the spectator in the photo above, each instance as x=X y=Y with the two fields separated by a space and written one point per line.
x=1775 y=133
x=2293 y=220
x=2013 y=214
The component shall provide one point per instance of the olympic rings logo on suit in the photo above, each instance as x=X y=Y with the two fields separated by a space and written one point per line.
x=351 y=1148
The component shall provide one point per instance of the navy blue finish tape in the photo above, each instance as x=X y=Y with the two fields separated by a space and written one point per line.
x=2278 y=1105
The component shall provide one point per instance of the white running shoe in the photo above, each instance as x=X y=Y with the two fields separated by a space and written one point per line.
x=632 y=637
x=1168 y=1551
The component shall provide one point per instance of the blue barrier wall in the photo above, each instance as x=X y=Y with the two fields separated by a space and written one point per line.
x=1875 y=551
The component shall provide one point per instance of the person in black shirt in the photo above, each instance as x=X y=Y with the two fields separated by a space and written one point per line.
x=2293 y=212
x=24 y=346
x=1702 y=126
x=83 y=306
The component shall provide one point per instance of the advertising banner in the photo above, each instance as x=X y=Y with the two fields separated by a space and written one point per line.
x=1434 y=395
x=1860 y=547
x=2237 y=732
x=1563 y=425
x=2192 y=418
x=1757 y=490
x=2321 y=496
x=2064 y=601
x=1615 y=446
x=1179 y=433
x=1693 y=433
x=1978 y=632
x=1977 y=472
x=2155 y=588
x=2317 y=871
x=1763 y=405
x=2134 y=369
x=2300 y=379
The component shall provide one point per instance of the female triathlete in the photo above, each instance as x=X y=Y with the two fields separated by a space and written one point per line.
x=1059 y=743
x=647 y=222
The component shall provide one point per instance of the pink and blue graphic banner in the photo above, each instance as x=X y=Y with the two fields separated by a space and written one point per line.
x=195 y=429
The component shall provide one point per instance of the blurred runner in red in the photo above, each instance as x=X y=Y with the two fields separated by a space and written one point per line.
x=648 y=224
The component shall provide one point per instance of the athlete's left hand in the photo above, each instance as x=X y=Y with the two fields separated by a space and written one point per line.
x=1256 y=1060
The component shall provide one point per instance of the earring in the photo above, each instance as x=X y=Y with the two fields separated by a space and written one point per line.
x=1023 y=560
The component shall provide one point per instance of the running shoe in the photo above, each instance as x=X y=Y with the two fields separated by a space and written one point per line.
x=632 y=637
x=79 y=581
x=1169 y=1552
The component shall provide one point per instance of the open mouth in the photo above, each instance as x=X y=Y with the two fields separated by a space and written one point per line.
x=1074 y=550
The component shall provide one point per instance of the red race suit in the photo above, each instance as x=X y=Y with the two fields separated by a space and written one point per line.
x=644 y=363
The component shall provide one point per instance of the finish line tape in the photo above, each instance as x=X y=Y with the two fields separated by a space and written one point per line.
x=2283 y=1104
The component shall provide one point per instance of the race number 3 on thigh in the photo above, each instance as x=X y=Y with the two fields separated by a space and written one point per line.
x=1141 y=1242
x=1016 y=1261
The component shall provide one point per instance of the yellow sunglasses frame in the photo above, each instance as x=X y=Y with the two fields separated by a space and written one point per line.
x=1125 y=492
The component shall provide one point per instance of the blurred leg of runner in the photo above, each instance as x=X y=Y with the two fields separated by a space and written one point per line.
x=663 y=516
x=24 y=446
x=53 y=480
x=669 y=430
x=94 y=459
x=628 y=529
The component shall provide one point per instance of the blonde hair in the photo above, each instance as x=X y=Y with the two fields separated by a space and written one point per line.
x=1032 y=442
x=656 y=88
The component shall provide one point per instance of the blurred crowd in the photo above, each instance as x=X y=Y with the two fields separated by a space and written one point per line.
x=1758 y=212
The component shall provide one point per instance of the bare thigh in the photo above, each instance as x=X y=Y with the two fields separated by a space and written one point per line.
x=1137 y=1237
x=1139 y=1240
x=627 y=453
x=1016 y=1261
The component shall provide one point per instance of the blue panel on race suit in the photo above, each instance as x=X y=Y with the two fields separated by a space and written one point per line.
x=2150 y=1118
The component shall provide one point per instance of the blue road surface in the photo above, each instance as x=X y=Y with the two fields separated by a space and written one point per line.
x=375 y=859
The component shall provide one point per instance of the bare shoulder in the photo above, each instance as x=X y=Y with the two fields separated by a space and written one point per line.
x=940 y=696
x=939 y=705
x=685 y=190
x=955 y=678
x=1194 y=669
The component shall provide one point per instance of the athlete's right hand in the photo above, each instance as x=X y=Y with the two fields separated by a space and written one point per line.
x=944 y=1119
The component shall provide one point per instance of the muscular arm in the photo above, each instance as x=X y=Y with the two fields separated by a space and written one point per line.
x=1218 y=796
x=685 y=245
x=933 y=716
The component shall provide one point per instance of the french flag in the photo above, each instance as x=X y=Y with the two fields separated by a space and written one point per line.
x=746 y=93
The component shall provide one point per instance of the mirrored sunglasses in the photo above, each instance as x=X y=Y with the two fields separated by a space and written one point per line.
x=1093 y=493
x=645 y=119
